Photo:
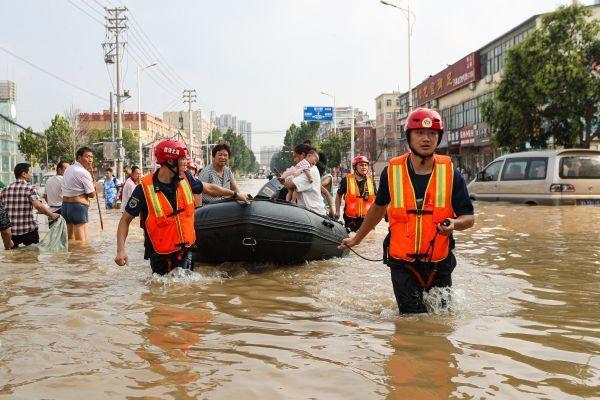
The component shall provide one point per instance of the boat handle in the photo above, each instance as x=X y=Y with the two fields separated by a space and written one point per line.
x=249 y=241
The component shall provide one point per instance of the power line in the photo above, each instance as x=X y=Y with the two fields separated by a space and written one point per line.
x=10 y=121
x=52 y=74
x=163 y=59
x=85 y=12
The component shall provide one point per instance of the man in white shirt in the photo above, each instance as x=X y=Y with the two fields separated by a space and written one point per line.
x=309 y=193
x=53 y=194
x=130 y=184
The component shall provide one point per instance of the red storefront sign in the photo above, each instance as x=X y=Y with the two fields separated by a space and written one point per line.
x=455 y=76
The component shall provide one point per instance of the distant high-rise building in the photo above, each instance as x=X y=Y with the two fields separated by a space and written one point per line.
x=266 y=154
x=9 y=138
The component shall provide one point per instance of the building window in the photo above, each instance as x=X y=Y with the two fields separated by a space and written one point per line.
x=388 y=115
x=388 y=102
x=388 y=128
x=398 y=128
x=398 y=102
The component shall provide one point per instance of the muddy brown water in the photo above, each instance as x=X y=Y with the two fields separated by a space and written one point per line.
x=524 y=322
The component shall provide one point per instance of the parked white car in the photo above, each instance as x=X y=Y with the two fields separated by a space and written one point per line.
x=551 y=177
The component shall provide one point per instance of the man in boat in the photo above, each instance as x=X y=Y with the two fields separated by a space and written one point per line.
x=164 y=200
x=309 y=190
x=358 y=191
x=426 y=199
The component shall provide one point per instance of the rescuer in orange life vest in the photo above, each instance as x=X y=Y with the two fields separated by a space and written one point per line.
x=358 y=192
x=426 y=199
x=165 y=200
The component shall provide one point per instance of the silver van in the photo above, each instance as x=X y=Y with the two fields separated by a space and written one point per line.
x=549 y=177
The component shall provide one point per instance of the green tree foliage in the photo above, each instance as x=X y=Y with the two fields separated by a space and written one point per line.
x=549 y=88
x=32 y=147
x=242 y=158
x=336 y=148
x=59 y=140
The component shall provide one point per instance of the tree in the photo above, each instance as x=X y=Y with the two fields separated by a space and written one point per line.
x=58 y=136
x=32 y=146
x=549 y=88
x=77 y=136
x=336 y=148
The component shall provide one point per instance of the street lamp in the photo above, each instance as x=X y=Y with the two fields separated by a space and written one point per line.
x=407 y=13
x=333 y=97
x=139 y=71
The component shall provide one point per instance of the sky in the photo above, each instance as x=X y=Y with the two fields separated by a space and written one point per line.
x=262 y=60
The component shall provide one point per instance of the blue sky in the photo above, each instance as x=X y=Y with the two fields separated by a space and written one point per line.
x=262 y=60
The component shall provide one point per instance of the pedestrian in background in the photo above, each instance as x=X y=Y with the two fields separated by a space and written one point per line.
x=111 y=188
x=20 y=198
x=78 y=188
x=130 y=184
x=53 y=194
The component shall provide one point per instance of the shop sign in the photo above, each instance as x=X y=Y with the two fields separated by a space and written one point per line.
x=453 y=138
x=455 y=76
x=467 y=135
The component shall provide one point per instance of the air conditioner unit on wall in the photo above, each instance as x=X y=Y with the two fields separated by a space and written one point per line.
x=472 y=85
x=489 y=79
x=434 y=103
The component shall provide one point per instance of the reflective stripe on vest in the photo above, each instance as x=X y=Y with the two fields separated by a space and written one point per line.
x=412 y=230
x=356 y=205
x=169 y=230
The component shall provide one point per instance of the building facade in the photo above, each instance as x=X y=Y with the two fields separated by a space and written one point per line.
x=153 y=130
x=457 y=92
x=266 y=155
x=9 y=137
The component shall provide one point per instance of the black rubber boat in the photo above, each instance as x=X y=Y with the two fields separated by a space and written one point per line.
x=266 y=230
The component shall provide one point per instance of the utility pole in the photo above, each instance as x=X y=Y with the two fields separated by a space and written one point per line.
x=116 y=24
x=189 y=96
x=112 y=119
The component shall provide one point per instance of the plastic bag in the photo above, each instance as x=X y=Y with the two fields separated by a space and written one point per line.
x=56 y=240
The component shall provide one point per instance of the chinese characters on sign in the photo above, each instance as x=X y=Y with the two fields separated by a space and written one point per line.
x=455 y=76
x=467 y=135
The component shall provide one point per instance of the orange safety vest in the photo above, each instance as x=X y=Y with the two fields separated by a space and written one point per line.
x=168 y=230
x=356 y=205
x=413 y=230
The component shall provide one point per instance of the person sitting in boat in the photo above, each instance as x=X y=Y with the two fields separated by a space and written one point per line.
x=308 y=191
x=218 y=173
x=358 y=191
x=164 y=200
x=303 y=167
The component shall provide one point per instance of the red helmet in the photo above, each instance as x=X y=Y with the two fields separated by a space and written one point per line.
x=360 y=159
x=169 y=150
x=425 y=118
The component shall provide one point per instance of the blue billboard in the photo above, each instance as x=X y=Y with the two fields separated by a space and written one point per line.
x=318 y=114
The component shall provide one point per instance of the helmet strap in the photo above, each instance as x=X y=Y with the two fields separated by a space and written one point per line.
x=176 y=178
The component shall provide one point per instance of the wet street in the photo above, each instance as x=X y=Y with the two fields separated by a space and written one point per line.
x=524 y=322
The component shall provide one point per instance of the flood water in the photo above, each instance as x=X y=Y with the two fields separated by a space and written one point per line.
x=524 y=321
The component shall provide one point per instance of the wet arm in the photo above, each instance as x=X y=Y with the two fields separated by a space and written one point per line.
x=7 y=238
x=338 y=203
x=42 y=208
x=123 y=230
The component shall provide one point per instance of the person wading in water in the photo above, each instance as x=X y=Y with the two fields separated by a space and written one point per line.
x=427 y=200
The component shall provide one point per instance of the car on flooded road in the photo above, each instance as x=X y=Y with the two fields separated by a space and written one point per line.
x=545 y=177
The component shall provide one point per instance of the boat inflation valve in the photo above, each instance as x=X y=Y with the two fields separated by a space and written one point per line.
x=249 y=241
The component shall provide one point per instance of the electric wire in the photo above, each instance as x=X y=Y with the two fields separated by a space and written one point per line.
x=73 y=85
x=29 y=130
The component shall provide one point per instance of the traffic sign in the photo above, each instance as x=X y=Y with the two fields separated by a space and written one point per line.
x=318 y=114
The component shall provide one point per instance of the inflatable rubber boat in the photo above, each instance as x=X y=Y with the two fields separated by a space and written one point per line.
x=267 y=229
